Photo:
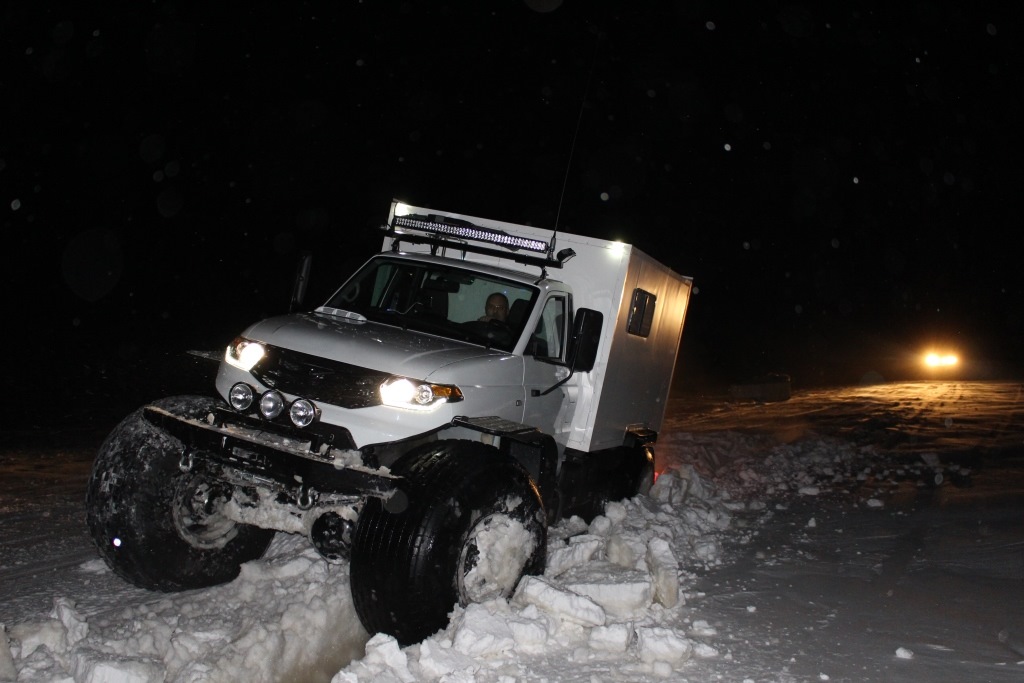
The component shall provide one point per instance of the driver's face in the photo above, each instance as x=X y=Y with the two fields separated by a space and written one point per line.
x=496 y=308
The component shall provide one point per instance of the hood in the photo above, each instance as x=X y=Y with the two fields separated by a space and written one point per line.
x=366 y=344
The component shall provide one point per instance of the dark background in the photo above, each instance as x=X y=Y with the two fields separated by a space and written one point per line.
x=842 y=179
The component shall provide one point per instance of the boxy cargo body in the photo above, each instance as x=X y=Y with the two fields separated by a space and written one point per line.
x=644 y=306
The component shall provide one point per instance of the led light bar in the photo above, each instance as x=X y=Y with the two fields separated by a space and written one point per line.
x=468 y=231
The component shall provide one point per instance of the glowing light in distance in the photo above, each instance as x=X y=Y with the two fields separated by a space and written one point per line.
x=940 y=360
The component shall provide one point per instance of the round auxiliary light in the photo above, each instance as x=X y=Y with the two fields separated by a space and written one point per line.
x=302 y=412
x=271 y=404
x=240 y=397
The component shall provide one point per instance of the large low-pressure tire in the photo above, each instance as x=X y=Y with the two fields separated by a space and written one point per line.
x=645 y=481
x=474 y=526
x=155 y=525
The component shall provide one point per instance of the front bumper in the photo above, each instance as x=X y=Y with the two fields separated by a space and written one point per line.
x=240 y=450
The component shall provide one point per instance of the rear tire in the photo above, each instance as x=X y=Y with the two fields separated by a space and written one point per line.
x=474 y=526
x=646 y=478
x=156 y=526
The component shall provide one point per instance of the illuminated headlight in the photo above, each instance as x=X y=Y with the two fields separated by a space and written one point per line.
x=271 y=404
x=302 y=413
x=240 y=397
x=244 y=354
x=402 y=392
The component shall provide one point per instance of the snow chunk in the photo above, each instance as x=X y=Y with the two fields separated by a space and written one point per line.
x=664 y=569
x=96 y=566
x=621 y=593
x=564 y=604
x=704 y=651
x=656 y=644
x=437 y=662
x=7 y=670
x=32 y=635
x=612 y=638
x=708 y=550
x=624 y=551
x=483 y=631
x=678 y=485
x=384 y=661
x=530 y=635
x=702 y=628
x=577 y=552
x=74 y=623
x=101 y=667
x=615 y=512
x=601 y=526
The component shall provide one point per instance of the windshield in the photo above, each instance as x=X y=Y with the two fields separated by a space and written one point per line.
x=436 y=299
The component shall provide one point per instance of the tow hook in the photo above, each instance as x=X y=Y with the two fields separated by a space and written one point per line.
x=307 y=498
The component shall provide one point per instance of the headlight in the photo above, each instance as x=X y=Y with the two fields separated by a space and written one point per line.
x=243 y=354
x=402 y=392
x=240 y=397
x=271 y=404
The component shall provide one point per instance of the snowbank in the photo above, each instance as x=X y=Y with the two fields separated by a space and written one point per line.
x=611 y=603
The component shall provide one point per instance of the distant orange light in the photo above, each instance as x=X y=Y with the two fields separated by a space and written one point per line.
x=941 y=360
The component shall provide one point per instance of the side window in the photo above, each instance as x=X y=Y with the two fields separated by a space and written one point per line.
x=548 y=339
x=641 y=313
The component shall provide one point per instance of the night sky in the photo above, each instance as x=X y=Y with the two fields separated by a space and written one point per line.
x=842 y=179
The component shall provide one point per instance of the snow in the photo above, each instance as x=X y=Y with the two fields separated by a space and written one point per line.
x=863 y=533
x=504 y=545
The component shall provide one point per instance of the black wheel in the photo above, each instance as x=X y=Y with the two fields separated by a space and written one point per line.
x=474 y=526
x=155 y=525
x=646 y=478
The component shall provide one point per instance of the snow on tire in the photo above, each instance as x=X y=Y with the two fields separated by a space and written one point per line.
x=474 y=526
x=159 y=527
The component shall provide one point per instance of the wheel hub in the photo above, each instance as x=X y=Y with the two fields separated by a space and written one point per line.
x=198 y=513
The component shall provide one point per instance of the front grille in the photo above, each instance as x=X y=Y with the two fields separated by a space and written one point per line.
x=319 y=379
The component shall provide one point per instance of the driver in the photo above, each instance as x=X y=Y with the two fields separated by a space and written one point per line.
x=496 y=308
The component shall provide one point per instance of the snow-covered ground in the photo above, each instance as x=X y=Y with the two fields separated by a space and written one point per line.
x=858 y=534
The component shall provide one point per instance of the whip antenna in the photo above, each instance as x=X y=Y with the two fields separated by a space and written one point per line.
x=572 y=147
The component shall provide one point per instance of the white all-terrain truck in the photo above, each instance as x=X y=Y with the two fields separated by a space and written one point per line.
x=468 y=386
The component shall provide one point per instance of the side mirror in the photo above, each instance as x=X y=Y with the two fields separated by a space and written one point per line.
x=583 y=342
x=586 y=334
